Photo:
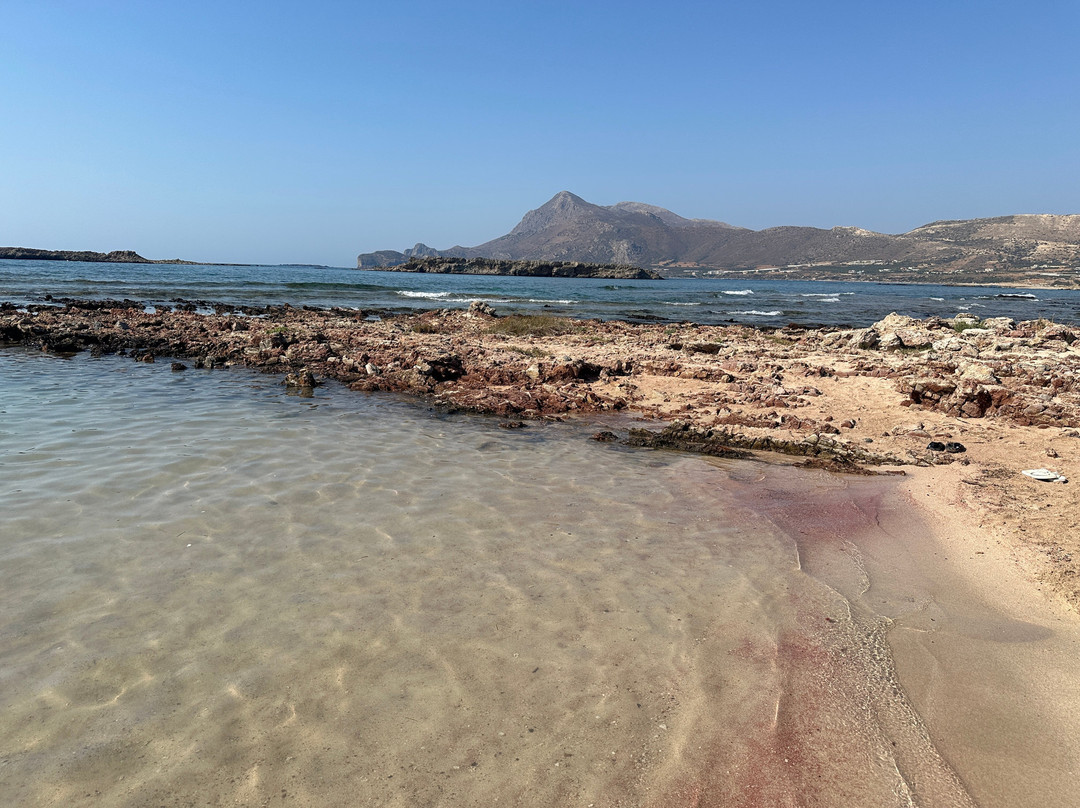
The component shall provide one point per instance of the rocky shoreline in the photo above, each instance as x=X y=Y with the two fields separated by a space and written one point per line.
x=1000 y=395
x=524 y=269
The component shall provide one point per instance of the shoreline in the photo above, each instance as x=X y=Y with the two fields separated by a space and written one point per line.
x=873 y=398
x=931 y=578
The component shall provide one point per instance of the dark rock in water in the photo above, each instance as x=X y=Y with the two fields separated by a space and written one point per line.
x=301 y=379
x=682 y=437
x=718 y=443
x=605 y=437
x=952 y=447
x=178 y=366
x=453 y=265
x=837 y=466
x=512 y=425
x=935 y=446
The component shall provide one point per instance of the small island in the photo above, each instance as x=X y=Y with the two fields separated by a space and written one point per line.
x=114 y=257
x=529 y=269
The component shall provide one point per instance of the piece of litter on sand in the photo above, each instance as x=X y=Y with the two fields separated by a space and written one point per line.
x=1045 y=475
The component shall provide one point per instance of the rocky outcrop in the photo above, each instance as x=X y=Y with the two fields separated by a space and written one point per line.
x=733 y=388
x=971 y=368
x=532 y=269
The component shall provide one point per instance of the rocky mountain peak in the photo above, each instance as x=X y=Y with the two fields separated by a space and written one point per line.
x=562 y=209
x=568 y=228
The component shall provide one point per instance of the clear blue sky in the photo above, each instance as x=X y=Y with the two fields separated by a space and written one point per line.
x=308 y=132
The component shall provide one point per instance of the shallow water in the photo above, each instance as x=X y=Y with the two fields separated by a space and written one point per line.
x=216 y=593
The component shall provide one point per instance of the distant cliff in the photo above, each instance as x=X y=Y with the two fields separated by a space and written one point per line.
x=114 y=257
x=531 y=269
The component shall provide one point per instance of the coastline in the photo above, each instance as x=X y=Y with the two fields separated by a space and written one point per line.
x=944 y=591
x=874 y=398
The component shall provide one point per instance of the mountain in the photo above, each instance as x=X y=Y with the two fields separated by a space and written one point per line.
x=568 y=228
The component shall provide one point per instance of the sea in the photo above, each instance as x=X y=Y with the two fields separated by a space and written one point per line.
x=757 y=302
x=218 y=593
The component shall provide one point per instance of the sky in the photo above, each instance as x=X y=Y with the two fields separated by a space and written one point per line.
x=288 y=132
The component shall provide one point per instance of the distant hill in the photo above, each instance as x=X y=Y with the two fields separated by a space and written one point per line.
x=1038 y=247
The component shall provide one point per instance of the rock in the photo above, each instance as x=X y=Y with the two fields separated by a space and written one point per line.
x=478 y=308
x=999 y=323
x=890 y=342
x=866 y=338
x=178 y=366
x=1058 y=332
x=300 y=379
x=605 y=437
x=915 y=339
x=704 y=347
x=952 y=447
x=898 y=332
x=979 y=374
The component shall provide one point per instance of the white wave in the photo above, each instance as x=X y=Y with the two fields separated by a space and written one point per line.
x=759 y=313
x=938 y=299
x=740 y=292
x=829 y=300
x=673 y=303
x=542 y=300
x=825 y=294
x=426 y=295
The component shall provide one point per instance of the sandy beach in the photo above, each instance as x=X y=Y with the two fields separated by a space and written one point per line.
x=933 y=538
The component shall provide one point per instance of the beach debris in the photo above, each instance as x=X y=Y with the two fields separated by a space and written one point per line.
x=1045 y=475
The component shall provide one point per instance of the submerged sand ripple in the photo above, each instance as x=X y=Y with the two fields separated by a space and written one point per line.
x=350 y=601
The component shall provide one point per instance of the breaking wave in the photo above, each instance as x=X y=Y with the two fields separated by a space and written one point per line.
x=426 y=295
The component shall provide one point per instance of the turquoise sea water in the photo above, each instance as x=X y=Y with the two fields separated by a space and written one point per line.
x=768 y=302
